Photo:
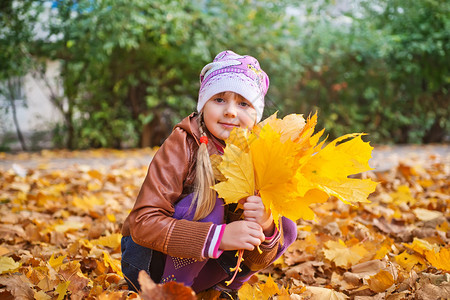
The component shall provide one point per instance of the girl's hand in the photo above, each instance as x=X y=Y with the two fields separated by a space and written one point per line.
x=255 y=211
x=241 y=235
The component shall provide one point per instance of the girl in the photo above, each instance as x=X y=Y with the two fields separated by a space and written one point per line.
x=178 y=229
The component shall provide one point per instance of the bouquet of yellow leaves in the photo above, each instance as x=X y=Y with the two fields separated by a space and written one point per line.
x=283 y=161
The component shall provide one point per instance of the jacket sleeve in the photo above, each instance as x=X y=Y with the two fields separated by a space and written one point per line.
x=151 y=221
x=257 y=261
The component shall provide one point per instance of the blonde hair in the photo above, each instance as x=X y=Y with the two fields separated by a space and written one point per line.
x=204 y=198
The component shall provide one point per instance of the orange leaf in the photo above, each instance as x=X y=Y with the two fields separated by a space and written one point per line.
x=440 y=260
x=381 y=281
x=169 y=291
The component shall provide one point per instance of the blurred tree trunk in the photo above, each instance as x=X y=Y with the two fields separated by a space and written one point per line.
x=435 y=134
x=158 y=129
x=14 y=86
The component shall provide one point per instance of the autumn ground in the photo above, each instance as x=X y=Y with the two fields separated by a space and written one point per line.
x=61 y=214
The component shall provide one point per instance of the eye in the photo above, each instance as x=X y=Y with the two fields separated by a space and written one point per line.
x=244 y=104
x=219 y=100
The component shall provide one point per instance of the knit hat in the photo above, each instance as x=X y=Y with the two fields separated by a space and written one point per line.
x=232 y=72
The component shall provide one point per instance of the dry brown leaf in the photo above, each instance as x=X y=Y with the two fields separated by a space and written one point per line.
x=381 y=281
x=399 y=230
x=168 y=291
x=319 y=293
x=18 y=286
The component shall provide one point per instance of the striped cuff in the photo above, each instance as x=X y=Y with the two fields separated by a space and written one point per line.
x=211 y=248
x=208 y=241
x=272 y=240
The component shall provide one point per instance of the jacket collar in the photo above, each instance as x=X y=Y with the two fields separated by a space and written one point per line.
x=190 y=125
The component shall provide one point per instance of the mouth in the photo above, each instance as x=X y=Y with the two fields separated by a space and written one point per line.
x=228 y=125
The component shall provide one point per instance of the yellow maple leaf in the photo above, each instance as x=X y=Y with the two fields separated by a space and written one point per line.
x=382 y=251
x=270 y=288
x=87 y=203
x=439 y=260
x=443 y=227
x=273 y=162
x=259 y=290
x=270 y=120
x=61 y=289
x=111 y=241
x=216 y=159
x=56 y=262
x=402 y=195
x=421 y=246
x=289 y=128
x=342 y=255
x=247 y=291
x=298 y=206
x=409 y=261
x=113 y=263
x=328 y=170
x=237 y=167
x=307 y=142
x=242 y=138
x=7 y=265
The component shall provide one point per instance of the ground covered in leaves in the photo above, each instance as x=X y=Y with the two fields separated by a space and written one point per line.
x=60 y=234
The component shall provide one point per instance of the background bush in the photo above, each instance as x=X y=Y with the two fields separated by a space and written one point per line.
x=130 y=68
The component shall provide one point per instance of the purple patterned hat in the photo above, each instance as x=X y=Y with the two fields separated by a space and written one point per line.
x=236 y=73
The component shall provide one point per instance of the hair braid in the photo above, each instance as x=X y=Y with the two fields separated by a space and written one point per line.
x=204 y=196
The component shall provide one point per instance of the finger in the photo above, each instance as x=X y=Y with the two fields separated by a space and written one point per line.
x=255 y=241
x=254 y=226
x=262 y=237
x=253 y=199
x=250 y=219
x=249 y=247
x=252 y=206
x=258 y=236
x=249 y=214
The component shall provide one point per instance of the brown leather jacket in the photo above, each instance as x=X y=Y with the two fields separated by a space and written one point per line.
x=170 y=178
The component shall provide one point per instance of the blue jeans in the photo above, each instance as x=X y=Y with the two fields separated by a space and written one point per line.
x=136 y=258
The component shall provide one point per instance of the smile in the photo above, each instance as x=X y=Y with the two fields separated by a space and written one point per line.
x=228 y=125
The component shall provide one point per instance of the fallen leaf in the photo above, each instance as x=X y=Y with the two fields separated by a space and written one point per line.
x=421 y=246
x=381 y=281
x=18 y=286
x=427 y=215
x=319 y=293
x=41 y=295
x=61 y=289
x=168 y=291
x=8 y=265
x=342 y=255
x=112 y=240
x=440 y=260
x=56 y=262
x=237 y=167
x=408 y=261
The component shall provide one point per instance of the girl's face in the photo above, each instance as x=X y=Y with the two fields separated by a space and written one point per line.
x=227 y=110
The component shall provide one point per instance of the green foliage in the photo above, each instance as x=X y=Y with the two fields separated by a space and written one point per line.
x=386 y=72
x=129 y=66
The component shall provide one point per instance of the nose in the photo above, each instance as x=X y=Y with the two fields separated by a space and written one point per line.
x=230 y=110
